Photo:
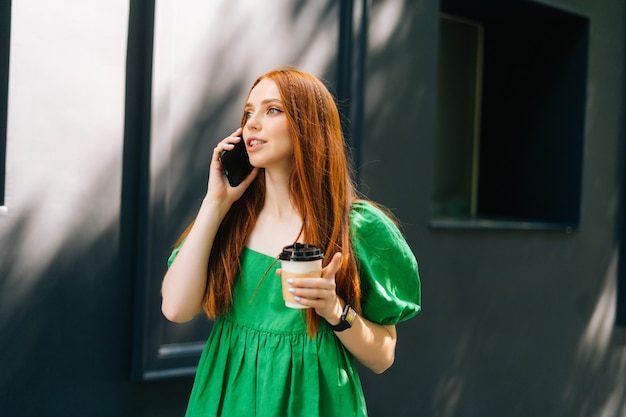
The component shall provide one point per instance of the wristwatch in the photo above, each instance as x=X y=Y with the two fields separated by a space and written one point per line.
x=347 y=317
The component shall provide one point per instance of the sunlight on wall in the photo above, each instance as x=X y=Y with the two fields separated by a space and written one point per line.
x=595 y=340
x=206 y=56
x=451 y=386
x=65 y=129
x=598 y=351
x=384 y=23
x=204 y=64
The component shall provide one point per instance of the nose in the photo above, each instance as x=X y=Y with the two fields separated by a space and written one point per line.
x=253 y=122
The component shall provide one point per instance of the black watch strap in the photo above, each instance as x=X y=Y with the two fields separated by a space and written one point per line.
x=347 y=317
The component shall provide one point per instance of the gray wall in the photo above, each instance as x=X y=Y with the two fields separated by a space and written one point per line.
x=513 y=322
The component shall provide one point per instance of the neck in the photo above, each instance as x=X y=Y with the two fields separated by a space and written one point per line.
x=279 y=223
x=277 y=197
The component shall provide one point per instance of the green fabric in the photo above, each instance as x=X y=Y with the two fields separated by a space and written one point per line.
x=259 y=360
x=390 y=285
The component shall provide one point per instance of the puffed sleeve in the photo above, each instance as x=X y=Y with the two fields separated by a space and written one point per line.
x=390 y=283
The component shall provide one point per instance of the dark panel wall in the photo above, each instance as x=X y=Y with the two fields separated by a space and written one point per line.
x=513 y=323
x=396 y=166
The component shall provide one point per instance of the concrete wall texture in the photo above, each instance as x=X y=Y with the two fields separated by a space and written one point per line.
x=514 y=322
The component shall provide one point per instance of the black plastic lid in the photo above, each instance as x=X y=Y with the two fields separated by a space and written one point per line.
x=301 y=252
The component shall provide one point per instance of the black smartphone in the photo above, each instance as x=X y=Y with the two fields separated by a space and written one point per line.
x=236 y=164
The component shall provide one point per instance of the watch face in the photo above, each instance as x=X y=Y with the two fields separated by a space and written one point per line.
x=350 y=316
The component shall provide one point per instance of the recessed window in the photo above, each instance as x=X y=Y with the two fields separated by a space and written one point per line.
x=510 y=116
x=458 y=117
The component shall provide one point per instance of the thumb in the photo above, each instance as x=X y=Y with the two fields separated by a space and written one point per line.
x=333 y=266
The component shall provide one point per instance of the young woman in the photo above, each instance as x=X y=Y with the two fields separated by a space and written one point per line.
x=262 y=358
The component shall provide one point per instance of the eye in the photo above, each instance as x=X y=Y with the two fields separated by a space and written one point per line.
x=274 y=110
x=247 y=114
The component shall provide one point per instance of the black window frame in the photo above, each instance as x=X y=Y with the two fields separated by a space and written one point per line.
x=5 y=45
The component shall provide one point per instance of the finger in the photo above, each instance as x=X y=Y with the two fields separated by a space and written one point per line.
x=230 y=140
x=228 y=143
x=220 y=147
x=315 y=302
x=333 y=266
x=225 y=144
x=318 y=305
x=237 y=132
x=322 y=289
x=326 y=284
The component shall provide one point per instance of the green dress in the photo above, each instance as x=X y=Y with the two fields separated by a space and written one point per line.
x=259 y=360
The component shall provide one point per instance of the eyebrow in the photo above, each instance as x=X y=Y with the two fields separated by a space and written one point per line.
x=266 y=101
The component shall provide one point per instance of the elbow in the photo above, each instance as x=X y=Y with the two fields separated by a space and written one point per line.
x=384 y=364
x=386 y=352
x=174 y=314
x=177 y=307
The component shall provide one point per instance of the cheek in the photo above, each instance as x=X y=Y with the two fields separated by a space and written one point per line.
x=287 y=141
x=285 y=151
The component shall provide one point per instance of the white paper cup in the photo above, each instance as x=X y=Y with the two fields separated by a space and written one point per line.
x=299 y=261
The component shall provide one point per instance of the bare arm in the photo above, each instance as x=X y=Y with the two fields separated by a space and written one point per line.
x=371 y=344
x=374 y=345
x=184 y=283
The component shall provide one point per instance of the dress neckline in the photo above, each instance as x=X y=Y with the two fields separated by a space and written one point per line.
x=260 y=253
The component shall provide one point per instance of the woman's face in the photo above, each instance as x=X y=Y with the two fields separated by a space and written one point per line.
x=266 y=130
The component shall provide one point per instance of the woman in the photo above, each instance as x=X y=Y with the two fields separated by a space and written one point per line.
x=261 y=357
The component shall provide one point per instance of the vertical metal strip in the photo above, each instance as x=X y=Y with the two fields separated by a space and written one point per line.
x=344 y=65
x=360 y=72
x=620 y=314
x=5 y=45
x=136 y=168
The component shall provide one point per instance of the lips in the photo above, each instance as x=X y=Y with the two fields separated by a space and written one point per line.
x=254 y=142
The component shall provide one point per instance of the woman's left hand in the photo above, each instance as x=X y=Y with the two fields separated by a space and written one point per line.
x=372 y=344
x=319 y=293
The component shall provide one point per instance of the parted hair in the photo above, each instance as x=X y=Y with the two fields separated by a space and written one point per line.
x=320 y=187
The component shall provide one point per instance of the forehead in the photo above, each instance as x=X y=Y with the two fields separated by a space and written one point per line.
x=265 y=90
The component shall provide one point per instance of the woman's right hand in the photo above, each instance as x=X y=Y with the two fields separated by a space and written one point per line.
x=218 y=188
x=184 y=283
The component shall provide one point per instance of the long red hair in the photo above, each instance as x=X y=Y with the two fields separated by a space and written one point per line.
x=321 y=189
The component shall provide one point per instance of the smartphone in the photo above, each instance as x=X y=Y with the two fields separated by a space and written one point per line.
x=236 y=164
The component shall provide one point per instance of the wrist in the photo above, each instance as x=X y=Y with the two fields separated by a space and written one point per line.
x=335 y=317
x=216 y=206
x=348 y=315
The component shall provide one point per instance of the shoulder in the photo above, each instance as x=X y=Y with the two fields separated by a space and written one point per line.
x=388 y=269
x=367 y=218
x=375 y=234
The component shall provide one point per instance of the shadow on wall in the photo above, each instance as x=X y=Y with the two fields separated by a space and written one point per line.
x=66 y=312
x=66 y=303
x=508 y=351
x=540 y=373
x=198 y=100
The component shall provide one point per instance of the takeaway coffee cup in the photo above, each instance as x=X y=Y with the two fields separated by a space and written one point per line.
x=299 y=261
